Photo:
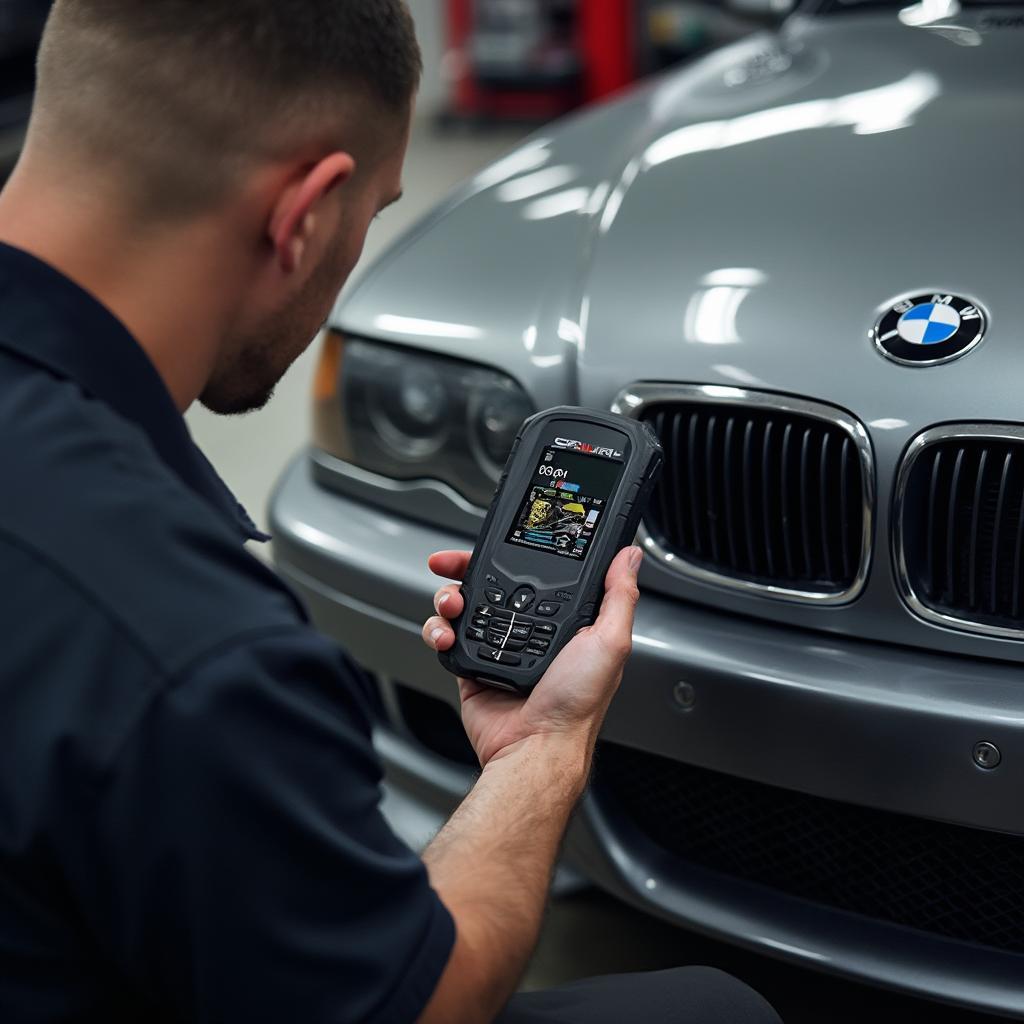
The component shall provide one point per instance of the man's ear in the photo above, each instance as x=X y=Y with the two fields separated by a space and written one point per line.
x=293 y=219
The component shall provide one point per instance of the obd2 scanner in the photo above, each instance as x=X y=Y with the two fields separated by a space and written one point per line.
x=570 y=498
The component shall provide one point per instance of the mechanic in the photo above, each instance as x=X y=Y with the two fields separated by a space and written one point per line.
x=189 y=799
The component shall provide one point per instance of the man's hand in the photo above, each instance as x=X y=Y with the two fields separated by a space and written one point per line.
x=572 y=697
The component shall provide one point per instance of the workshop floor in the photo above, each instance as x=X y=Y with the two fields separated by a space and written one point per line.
x=588 y=933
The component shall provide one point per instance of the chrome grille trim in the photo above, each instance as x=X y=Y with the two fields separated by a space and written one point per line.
x=634 y=400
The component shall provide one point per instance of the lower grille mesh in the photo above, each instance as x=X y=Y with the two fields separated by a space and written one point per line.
x=951 y=881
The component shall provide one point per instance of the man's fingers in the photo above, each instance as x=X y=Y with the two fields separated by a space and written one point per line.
x=438 y=634
x=450 y=564
x=615 y=623
x=448 y=601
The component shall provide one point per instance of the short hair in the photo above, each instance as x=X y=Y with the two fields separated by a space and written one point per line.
x=182 y=94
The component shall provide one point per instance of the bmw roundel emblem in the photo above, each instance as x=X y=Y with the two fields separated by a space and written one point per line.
x=923 y=330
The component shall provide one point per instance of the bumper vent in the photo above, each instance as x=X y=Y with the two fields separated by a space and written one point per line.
x=951 y=881
x=760 y=492
x=960 y=528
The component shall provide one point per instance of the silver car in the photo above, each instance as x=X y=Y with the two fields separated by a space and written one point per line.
x=799 y=259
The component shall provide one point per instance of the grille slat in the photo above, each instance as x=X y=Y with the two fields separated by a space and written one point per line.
x=948 y=880
x=666 y=497
x=729 y=476
x=954 y=493
x=824 y=506
x=844 y=507
x=967 y=487
x=709 y=475
x=805 y=498
x=768 y=496
x=691 y=448
x=747 y=486
x=787 y=515
x=1015 y=611
x=972 y=571
x=678 y=505
x=993 y=598
x=766 y=503
x=930 y=536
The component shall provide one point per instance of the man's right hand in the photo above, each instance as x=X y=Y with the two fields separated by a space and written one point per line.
x=572 y=698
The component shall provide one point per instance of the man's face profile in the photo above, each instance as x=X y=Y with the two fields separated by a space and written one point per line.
x=265 y=340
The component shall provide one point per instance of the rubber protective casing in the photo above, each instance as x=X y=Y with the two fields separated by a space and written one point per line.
x=497 y=564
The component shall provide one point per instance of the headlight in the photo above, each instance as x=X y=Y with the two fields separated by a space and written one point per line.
x=409 y=414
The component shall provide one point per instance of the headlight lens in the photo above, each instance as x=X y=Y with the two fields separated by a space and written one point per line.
x=409 y=414
x=407 y=411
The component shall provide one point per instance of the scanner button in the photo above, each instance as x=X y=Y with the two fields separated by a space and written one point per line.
x=548 y=608
x=547 y=628
x=502 y=657
x=494 y=595
x=521 y=632
x=522 y=599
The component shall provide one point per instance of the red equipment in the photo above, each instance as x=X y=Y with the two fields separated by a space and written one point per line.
x=536 y=59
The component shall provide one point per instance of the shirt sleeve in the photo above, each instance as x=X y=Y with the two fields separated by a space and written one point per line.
x=250 y=875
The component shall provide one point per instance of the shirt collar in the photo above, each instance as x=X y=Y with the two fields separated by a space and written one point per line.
x=48 y=319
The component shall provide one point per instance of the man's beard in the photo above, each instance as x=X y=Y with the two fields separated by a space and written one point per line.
x=256 y=362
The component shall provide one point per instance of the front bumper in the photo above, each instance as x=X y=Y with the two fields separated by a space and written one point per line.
x=880 y=726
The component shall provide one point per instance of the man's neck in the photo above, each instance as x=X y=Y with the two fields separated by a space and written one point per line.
x=170 y=288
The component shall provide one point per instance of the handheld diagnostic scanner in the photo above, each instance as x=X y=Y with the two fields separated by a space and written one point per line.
x=570 y=498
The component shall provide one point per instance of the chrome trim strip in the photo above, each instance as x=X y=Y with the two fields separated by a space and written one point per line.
x=403 y=487
x=633 y=400
x=951 y=432
x=423 y=499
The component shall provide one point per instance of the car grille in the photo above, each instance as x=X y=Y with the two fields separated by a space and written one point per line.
x=774 y=497
x=960 y=527
x=948 y=880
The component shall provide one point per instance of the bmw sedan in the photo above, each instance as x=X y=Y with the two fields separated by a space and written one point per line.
x=799 y=260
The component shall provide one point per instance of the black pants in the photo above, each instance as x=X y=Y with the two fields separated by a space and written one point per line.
x=685 y=995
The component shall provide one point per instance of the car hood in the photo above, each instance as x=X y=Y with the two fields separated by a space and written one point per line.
x=741 y=221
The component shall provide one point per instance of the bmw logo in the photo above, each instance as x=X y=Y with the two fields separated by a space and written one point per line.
x=927 y=329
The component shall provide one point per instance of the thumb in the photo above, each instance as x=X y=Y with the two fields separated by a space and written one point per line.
x=615 y=623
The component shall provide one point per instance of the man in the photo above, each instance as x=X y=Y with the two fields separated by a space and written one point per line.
x=189 y=822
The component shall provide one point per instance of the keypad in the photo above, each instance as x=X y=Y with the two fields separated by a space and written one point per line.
x=507 y=639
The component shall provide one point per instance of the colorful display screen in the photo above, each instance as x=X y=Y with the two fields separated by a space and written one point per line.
x=565 y=503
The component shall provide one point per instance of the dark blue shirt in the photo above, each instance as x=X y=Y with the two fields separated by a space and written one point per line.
x=189 y=821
